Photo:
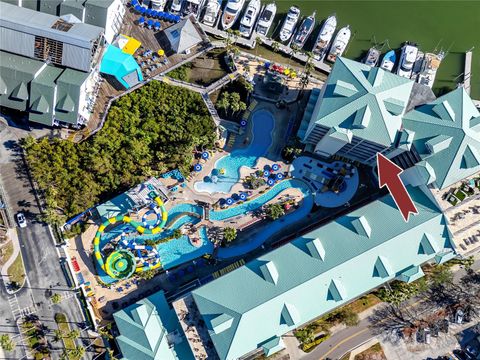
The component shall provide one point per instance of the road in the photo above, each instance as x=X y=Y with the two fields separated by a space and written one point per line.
x=41 y=257
x=350 y=338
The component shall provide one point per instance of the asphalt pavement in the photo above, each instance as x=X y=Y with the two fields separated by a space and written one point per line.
x=40 y=254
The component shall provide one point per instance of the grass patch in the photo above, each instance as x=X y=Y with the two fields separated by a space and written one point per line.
x=5 y=252
x=374 y=352
x=16 y=271
x=460 y=195
x=363 y=303
x=63 y=326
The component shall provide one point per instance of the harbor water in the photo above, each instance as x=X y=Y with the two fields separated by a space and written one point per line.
x=432 y=24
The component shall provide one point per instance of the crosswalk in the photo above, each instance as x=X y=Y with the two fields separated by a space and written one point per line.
x=16 y=310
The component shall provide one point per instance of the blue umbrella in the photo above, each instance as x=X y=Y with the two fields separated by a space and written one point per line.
x=141 y=20
x=270 y=182
x=230 y=201
x=275 y=167
x=133 y=2
x=222 y=201
x=138 y=8
x=161 y=15
x=143 y=10
x=205 y=155
x=266 y=173
x=243 y=196
x=267 y=65
x=197 y=167
x=150 y=23
x=279 y=176
x=243 y=123
x=177 y=18
x=157 y=25
x=235 y=197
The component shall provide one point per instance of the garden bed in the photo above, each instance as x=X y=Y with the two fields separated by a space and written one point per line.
x=374 y=352
x=16 y=271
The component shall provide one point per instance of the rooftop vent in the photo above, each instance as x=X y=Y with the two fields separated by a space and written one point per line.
x=62 y=25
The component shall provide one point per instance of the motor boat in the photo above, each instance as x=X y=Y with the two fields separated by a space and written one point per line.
x=340 y=43
x=388 y=61
x=192 y=7
x=431 y=63
x=231 y=13
x=176 y=6
x=304 y=31
x=266 y=19
x=407 y=60
x=324 y=37
x=211 y=12
x=158 y=5
x=289 y=24
x=372 y=57
x=417 y=66
x=249 y=18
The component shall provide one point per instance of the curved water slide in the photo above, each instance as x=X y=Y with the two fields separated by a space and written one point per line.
x=140 y=229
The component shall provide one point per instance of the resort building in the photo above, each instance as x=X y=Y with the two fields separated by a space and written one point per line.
x=248 y=310
x=358 y=113
x=49 y=95
x=149 y=330
x=107 y=14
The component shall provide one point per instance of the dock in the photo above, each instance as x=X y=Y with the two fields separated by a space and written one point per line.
x=251 y=43
x=467 y=74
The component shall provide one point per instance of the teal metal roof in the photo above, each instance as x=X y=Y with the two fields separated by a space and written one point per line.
x=368 y=101
x=119 y=64
x=319 y=271
x=446 y=136
x=68 y=95
x=144 y=328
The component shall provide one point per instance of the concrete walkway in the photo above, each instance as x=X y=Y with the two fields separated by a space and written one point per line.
x=13 y=236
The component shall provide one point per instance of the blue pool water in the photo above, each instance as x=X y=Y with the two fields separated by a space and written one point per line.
x=263 y=124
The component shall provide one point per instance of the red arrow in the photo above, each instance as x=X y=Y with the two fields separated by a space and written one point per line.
x=389 y=176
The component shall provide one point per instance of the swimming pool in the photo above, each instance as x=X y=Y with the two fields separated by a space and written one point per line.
x=263 y=124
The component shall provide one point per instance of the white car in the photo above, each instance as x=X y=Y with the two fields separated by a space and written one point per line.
x=22 y=222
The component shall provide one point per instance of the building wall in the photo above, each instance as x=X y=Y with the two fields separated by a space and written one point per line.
x=114 y=20
x=76 y=57
x=17 y=42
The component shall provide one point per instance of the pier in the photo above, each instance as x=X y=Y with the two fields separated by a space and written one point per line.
x=250 y=43
x=467 y=74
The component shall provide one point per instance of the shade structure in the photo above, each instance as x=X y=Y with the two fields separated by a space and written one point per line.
x=150 y=23
x=133 y=2
x=143 y=10
x=141 y=20
x=243 y=196
x=243 y=123
x=267 y=65
x=205 y=155
x=138 y=8
x=275 y=167
x=279 y=176
x=161 y=52
x=157 y=25
x=229 y=201
x=197 y=167
x=270 y=182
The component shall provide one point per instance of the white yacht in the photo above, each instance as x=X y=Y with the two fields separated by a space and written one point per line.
x=324 y=37
x=192 y=7
x=417 y=66
x=304 y=31
x=249 y=18
x=176 y=6
x=158 y=5
x=289 y=24
x=211 y=12
x=231 y=13
x=266 y=19
x=407 y=59
x=431 y=63
x=340 y=43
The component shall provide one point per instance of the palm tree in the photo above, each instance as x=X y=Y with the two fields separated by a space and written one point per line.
x=223 y=103
x=258 y=42
x=6 y=343
x=76 y=353
x=275 y=46
x=57 y=335
x=229 y=234
x=73 y=334
x=274 y=211
x=56 y=298
x=295 y=50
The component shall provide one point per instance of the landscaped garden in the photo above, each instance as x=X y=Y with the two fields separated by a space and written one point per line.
x=461 y=193
x=146 y=132
x=16 y=271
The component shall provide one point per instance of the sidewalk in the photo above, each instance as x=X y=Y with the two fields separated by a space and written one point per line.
x=13 y=236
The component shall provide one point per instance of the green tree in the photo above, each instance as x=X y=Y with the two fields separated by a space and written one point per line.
x=274 y=211
x=56 y=298
x=73 y=334
x=177 y=233
x=441 y=274
x=275 y=46
x=76 y=353
x=305 y=335
x=6 y=343
x=147 y=275
x=223 y=102
x=258 y=43
x=229 y=234
x=57 y=335
x=294 y=51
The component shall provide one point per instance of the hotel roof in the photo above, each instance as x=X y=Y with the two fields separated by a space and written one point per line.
x=447 y=136
x=368 y=101
x=275 y=293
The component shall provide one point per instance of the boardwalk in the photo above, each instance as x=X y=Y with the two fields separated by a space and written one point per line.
x=467 y=74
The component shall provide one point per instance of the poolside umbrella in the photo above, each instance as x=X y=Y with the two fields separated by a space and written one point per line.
x=134 y=2
x=222 y=171
x=275 y=167
x=197 y=167
x=177 y=18
x=150 y=23
x=266 y=173
x=205 y=155
x=143 y=10
x=287 y=71
x=207 y=179
x=157 y=25
x=221 y=201
x=229 y=201
x=141 y=21
x=161 y=52
x=243 y=123
x=137 y=8
x=267 y=65
x=279 y=176
x=270 y=182
x=243 y=196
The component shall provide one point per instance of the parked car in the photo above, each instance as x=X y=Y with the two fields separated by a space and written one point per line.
x=22 y=222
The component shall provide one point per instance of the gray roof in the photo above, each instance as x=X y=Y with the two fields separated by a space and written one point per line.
x=183 y=35
x=16 y=72
x=42 y=90
x=74 y=7
x=68 y=95
x=37 y=23
x=96 y=12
